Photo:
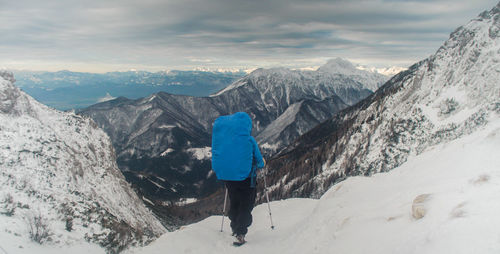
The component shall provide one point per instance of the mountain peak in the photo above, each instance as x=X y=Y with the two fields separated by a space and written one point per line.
x=337 y=65
x=372 y=80
x=11 y=101
x=7 y=76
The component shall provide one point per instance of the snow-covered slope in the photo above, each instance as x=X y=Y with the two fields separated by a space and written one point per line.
x=441 y=201
x=59 y=170
x=449 y=95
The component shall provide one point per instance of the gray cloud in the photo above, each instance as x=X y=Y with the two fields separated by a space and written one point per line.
x=155 y=34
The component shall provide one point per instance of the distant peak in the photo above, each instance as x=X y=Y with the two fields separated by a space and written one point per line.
x=271 y=71
x=337 y=65
x=387 y=71
x=339 y=62
x=488 y=14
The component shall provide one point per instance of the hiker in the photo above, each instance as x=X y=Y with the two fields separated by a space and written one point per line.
x=235 y=160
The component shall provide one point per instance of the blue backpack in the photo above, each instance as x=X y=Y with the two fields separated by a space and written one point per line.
x=235 y=154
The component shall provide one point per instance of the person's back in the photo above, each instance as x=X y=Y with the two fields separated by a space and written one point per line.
x=235 y=158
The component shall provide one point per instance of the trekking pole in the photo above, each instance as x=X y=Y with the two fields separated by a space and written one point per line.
x=268 y=206
x=4 y=251
x=223 y=212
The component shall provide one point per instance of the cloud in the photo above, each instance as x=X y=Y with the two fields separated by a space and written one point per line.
x=225 y=33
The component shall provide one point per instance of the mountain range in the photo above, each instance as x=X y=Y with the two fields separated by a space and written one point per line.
x=163 y=141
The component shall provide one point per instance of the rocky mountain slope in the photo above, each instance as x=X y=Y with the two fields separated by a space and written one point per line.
x=452 y=93
x=60 y=181
x=163 y=141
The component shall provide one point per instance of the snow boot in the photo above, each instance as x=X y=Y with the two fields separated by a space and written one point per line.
x=240 y=240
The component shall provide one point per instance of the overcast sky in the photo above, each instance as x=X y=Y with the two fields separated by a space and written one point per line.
x=118 y=35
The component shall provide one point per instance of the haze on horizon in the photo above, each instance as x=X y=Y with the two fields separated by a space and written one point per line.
x=154 y=35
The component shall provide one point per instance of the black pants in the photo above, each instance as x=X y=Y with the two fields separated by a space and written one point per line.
x=241 y=199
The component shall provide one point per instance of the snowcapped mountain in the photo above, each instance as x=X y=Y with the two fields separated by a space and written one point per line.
x=60 y=181
x=279 y=93
x=371 y=80
x=158 y=138
x=451 y=94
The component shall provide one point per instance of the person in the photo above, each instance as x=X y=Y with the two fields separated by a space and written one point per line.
x=236 y=158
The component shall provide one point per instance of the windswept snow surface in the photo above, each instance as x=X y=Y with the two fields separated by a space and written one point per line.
x=461 y=180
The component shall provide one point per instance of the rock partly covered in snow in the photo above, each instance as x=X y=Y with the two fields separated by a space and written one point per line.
x=59 y=174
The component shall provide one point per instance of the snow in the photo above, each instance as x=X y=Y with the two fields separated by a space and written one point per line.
x=166 y=152
x=389 y=71
x=330 y=73
x=369 y=78
x=234 y=85
x=107 y=97
x=15 y=244
x=283 y=121
x=186 y=201
x=374 y=214
x=272 y=147
x=166 y=126
x=148 y=201
x=156 y=184
x=204 y=153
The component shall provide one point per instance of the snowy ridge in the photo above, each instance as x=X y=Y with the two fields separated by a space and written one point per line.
x=437 y=202
x=447 y=96
x=334 y=68
x=61 y=167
